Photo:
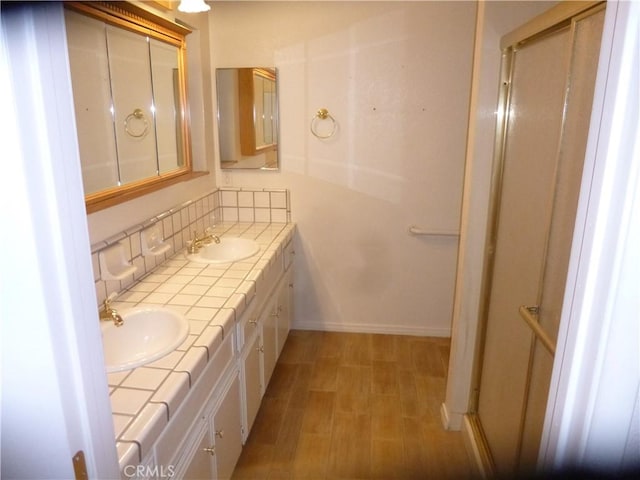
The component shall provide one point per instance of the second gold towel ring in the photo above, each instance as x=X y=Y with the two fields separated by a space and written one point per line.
x=323 y=114
x=139 y=115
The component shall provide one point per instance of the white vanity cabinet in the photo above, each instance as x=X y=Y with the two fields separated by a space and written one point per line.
x=262 y=334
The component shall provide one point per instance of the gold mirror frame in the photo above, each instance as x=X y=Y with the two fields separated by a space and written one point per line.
x=138 y=20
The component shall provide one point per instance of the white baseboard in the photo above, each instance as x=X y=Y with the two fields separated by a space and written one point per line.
x=452 y=422
x=369 y=328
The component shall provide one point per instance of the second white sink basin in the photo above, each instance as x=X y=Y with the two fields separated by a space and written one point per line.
x=230 y=249
x=148 y=333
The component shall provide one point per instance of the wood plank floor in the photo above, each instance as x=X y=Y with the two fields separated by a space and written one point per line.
x=355 y=406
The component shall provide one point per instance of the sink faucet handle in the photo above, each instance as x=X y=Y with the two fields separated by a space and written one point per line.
x=108 y=300
x=209 y=236
x=109 y=313
x=193 y=244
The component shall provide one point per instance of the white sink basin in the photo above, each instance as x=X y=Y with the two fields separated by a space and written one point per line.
x=148 y=333
x=230 y=249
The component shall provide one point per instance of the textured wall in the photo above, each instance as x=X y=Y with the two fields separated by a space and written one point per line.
x=396 y=77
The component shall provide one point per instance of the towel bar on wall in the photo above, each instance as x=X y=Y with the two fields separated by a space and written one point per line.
x=415 y=230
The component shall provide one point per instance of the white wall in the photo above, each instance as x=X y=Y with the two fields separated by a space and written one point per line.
x=396 y=77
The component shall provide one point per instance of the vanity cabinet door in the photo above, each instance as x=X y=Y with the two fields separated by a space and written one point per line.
x=269 y=325
x=252 y=383
x=200 y=465
x=227 y=430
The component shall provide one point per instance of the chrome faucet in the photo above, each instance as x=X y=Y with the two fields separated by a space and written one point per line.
x=197 y=243
x=111 y=314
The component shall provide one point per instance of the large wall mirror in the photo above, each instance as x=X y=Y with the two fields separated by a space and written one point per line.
x=128 y=78
x=248 y=117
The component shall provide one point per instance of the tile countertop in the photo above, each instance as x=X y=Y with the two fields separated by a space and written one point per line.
x=211 y=297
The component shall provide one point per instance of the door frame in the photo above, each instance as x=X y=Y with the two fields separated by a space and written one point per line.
x=593 y=413
x=51 y=341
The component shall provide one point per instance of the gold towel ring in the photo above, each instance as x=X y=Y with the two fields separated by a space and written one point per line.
x=323 y=114
x=139 y=115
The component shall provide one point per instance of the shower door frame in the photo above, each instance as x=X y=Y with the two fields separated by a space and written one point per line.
x=547 y=23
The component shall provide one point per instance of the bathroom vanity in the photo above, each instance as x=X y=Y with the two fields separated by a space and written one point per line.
x=188 y=414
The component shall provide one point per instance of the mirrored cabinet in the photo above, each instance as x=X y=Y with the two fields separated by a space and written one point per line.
x=248 y=117
x=130 y=100
x=257 y=89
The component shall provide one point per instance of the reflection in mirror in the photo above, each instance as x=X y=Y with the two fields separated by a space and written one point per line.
x=166 y=94
x=132 y=101
x=247 y=117
x=129 y=96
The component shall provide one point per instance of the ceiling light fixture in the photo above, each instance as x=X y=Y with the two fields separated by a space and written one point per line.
x=193 y=6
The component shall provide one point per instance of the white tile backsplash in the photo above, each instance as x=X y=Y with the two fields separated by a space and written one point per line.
x=230 y=214
x=246 y=214
x=230 y=198
x=224 y=206
x=262 y=215
x=261 y=200
x=278 y=216
x=278 y=200
x=245 y=199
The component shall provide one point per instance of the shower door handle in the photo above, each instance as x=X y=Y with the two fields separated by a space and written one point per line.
x=529 y=315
